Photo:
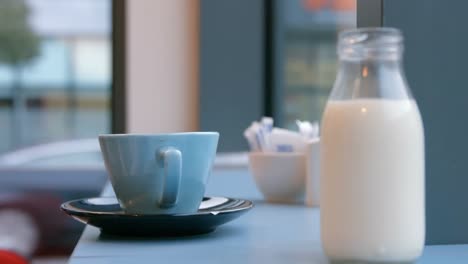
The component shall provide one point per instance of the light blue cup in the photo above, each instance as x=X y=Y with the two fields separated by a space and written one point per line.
x=159 y=173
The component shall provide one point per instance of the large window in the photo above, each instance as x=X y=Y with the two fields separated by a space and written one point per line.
x=306 y=34
x=55 y=93
x=267 y=57
x=55 y=71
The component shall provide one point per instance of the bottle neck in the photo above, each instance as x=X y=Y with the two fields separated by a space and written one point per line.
x=370 y=70
x=370 y=78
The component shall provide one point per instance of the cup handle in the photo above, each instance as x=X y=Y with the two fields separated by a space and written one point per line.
x=172 y=160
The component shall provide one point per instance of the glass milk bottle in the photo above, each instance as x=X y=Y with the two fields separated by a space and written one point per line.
x=372 y=155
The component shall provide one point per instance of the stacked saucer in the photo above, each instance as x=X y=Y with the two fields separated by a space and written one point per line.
x=106 y=214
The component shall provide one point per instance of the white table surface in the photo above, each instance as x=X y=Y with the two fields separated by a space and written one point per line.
x=269 y=233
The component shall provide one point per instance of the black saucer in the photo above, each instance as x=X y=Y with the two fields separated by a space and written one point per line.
x=106 y=214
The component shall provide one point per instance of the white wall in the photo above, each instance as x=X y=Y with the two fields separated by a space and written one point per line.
x=162 y=65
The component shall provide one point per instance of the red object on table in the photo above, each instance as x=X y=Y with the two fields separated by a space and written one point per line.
x=10 y=257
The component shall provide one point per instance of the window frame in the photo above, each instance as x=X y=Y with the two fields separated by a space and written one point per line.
x=118 y=87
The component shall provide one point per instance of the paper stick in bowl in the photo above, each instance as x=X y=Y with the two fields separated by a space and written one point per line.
x=283 y=140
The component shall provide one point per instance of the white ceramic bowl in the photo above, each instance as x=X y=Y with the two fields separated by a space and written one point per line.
x=280 y=177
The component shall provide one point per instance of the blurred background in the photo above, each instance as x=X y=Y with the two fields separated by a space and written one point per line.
x=73 y=69
x=55 y=74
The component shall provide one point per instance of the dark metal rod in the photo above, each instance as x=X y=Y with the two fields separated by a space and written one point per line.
x=118 y=101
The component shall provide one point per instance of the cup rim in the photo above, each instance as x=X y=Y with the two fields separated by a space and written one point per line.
x=207 y=133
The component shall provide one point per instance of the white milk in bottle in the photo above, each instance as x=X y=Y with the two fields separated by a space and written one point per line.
x=372 y=155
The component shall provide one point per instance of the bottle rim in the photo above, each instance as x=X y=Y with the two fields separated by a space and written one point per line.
x=368 y=43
